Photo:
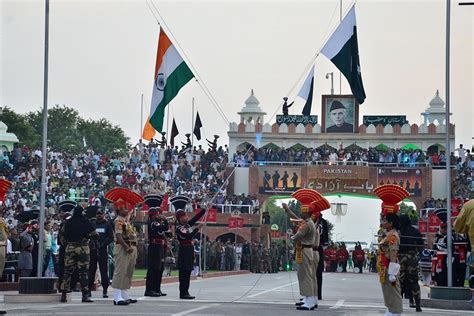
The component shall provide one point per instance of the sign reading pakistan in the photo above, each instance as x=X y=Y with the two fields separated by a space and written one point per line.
x=297 y=119
x=385 y=120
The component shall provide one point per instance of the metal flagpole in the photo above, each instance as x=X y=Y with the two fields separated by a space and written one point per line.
x=141 y=119
x=192 y=128
x=39 y=270
x=448 y=147
x=340 y=20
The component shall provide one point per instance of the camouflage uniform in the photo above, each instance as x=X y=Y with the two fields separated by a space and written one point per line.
x=76 y=257
x=409 y=274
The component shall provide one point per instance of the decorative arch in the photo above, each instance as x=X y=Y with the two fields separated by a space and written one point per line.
x=231 y=236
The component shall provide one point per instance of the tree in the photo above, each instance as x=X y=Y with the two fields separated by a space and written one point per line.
x=19 y=125
x=66 y=130
x=409 y=210
x=63 y=133
x=103 y=137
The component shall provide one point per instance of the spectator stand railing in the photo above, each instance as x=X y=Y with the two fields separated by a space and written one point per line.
x=229 y=208
x=331 y=163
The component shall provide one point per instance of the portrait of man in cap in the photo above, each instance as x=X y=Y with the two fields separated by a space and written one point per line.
x=340 y=115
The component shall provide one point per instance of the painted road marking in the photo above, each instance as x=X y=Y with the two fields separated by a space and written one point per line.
x=189 y=311
x=338 y=304
x=270 y=290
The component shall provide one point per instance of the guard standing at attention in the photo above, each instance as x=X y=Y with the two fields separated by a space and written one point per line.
x=185 y=234
x=158 y=227
x=125 y=250
x=389 y=243
x=77 y=232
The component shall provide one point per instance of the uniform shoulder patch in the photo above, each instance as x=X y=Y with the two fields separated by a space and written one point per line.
x=392 y=239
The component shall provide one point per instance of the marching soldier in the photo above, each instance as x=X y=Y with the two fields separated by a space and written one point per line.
x=185 y=234
x=99 y=248
x=411 y=243
x=77 y=232
x=125 y=250
x=388 y=266
x=158 y=226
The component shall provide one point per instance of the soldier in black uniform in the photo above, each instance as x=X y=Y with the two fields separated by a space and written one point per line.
x=323 y=242
x=158 y=227
x=66 y=207
x=185 y=234
x=77 y=232
x=99 y=247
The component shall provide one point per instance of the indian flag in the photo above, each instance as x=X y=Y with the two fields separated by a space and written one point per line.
x=343 y=50
x=171 y=74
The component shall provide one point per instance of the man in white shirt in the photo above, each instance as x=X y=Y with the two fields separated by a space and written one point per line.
x=461 y=153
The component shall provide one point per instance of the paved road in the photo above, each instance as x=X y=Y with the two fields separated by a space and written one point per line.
x=252 y=294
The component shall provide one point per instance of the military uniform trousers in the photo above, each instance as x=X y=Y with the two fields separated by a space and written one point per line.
x=392 y=296
x=154 y=274
x=319 y=272
x=76 y=259
x=306 y=273
x=409 y=274
x=124 y=265
x=99 y=256
x=185 y=266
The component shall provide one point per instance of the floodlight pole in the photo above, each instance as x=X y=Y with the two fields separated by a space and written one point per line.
x=39 y=270
x=448 y=148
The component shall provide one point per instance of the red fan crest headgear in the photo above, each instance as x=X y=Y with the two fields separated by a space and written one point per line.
x=306 y=197
x=391 y=195
x=4 y=186
x=124 y=197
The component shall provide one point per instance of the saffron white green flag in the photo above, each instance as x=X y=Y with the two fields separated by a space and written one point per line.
x=171 y=74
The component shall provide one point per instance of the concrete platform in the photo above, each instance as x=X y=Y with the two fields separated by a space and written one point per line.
x=447 y=304
x=33 y=298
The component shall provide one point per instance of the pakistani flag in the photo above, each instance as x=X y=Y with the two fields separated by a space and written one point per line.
x=306 y=92
x=342 y=49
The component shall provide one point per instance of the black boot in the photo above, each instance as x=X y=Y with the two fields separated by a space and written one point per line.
x=64 y=297
x=104 y=293
x=86 y=298
x=418 y=304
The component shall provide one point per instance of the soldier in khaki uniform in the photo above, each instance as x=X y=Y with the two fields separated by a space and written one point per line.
x=125 y=251
x=389 y=243
x=317 y=204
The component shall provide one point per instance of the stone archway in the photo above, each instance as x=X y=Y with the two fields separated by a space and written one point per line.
x=435 y=149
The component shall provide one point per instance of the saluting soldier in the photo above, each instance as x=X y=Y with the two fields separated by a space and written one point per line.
x=125 y=250
x=158 y=227
x=185 y=234
x=77 y=232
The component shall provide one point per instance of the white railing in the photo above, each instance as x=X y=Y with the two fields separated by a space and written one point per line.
x=229 y=208
x=331 y=163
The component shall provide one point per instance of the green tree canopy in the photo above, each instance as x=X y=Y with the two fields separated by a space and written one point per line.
x=19 y=125
x=66 y=130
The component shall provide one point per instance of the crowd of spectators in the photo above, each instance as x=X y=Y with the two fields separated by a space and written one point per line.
x=353 y=153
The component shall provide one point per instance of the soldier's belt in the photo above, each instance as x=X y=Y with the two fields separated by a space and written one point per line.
x=307 y=246
x=186 y=243
x=157 y=241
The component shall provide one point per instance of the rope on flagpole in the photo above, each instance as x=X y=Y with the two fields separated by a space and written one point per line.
x=198 y=78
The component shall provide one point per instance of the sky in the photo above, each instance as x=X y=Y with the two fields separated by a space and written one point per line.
x=102 y=57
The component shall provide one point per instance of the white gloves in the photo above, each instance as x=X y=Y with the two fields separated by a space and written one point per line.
x=393 y=270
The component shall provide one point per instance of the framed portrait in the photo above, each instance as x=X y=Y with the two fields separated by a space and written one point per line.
x=340 y=114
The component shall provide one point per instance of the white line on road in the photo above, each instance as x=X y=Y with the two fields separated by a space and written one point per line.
x=270 y=290
x=338 y=304
x=189 y=311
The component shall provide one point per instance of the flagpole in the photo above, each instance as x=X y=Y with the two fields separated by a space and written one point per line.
x=39 y=271
x=141 y=119
x=168 y=120
x=340 y=20
x=448 y=147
